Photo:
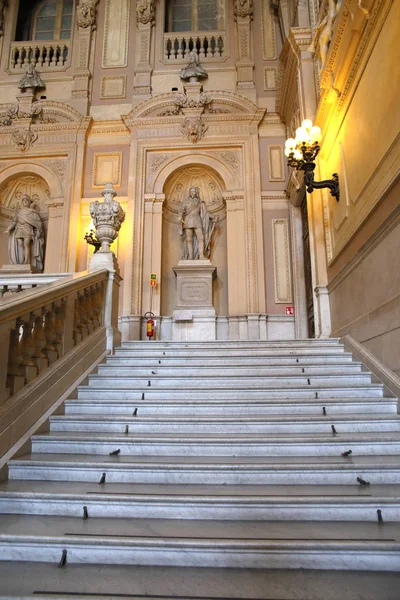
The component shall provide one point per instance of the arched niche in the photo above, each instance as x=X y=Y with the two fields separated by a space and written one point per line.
x=11 y=191
x=175 y=189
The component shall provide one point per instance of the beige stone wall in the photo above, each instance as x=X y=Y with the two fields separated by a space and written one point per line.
x=365 y=293
x=361 y=124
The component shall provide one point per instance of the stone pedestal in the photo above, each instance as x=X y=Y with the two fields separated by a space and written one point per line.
x=18 y=270
x=194 y=313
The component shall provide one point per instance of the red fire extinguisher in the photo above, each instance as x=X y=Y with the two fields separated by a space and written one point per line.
x=150 y=325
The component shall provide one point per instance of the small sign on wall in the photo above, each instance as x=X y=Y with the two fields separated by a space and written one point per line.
x=290 y=310
x=153 y=280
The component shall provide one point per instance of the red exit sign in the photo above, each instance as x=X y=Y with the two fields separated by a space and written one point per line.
x=290 y=310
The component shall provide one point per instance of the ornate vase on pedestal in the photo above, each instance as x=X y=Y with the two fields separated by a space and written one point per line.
x=107 y=217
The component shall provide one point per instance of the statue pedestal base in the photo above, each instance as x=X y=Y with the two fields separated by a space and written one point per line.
x=18 y=270
x=194 y=313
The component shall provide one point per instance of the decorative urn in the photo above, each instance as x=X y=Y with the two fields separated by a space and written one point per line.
x=107 y=217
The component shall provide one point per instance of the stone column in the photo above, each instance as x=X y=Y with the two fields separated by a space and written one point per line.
x=153 y=210
x=243 y=12
x=145 y=18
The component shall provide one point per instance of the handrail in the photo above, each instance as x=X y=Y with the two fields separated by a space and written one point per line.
x=40 y=326
x=28 y=300
x=14 y=283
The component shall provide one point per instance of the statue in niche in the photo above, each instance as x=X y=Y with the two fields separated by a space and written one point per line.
x=31 y=79
x=26 y=235
x=197 y=226
x=193 y=72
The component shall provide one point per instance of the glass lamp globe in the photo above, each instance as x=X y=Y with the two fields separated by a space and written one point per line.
x=307 y=124
x=315 y=133
x=290 y=143
x=302 y=135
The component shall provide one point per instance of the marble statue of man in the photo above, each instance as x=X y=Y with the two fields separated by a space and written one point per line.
x=26 y=235
x=197 y=226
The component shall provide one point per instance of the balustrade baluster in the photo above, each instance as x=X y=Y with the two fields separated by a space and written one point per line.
x=50 y=334
x=19 y=60
x=83 y=321
x=53 y=55
x=41 y=56
x=88 y=309
x=77 y=335
x=15 y=357
x=27 y=343
x=181 y=49
x=200 y=44
x=39 y=340
x=46 y=56
x=59 y=323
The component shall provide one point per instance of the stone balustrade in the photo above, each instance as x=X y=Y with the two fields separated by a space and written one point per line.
x=12 y=284
x=44 y=54
x=40 y=326
x=210 y=45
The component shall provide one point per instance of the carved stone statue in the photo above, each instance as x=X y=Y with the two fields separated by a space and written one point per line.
x=107 y=217
x=197 y=226
x=193 y=72
x=323 y=33
x=31 y=80
x=26 y=235
x=86 y=14
x=146 y=11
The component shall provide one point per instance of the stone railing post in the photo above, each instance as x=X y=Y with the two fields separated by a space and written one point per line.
x=107 y=218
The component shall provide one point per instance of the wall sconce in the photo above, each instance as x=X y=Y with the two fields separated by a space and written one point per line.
x=303 y=151
x=91 y=239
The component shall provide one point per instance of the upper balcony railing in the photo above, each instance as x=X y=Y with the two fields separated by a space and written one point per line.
x=210 y=45
x=48 y=55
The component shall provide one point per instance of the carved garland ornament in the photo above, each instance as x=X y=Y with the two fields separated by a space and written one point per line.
x=86 y=14
x=146 y=12
x=243 y=9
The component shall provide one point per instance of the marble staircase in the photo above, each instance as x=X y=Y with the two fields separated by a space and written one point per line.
x=210 y=460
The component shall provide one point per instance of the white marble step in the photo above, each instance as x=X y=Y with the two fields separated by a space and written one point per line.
x=309 y=503
x=225 y=408
x=241 y=425
x=159 y=353
x=232 y=381
x=186 y=543
x=208 y=372
x=218 y=444
x=41 y=581
x=227 y=392
x=188 y=470
x=345 y=358
x=233 y=344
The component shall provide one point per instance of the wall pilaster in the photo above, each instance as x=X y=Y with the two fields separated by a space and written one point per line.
x=145 y=18
x=153 y=210
x=243 y=13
